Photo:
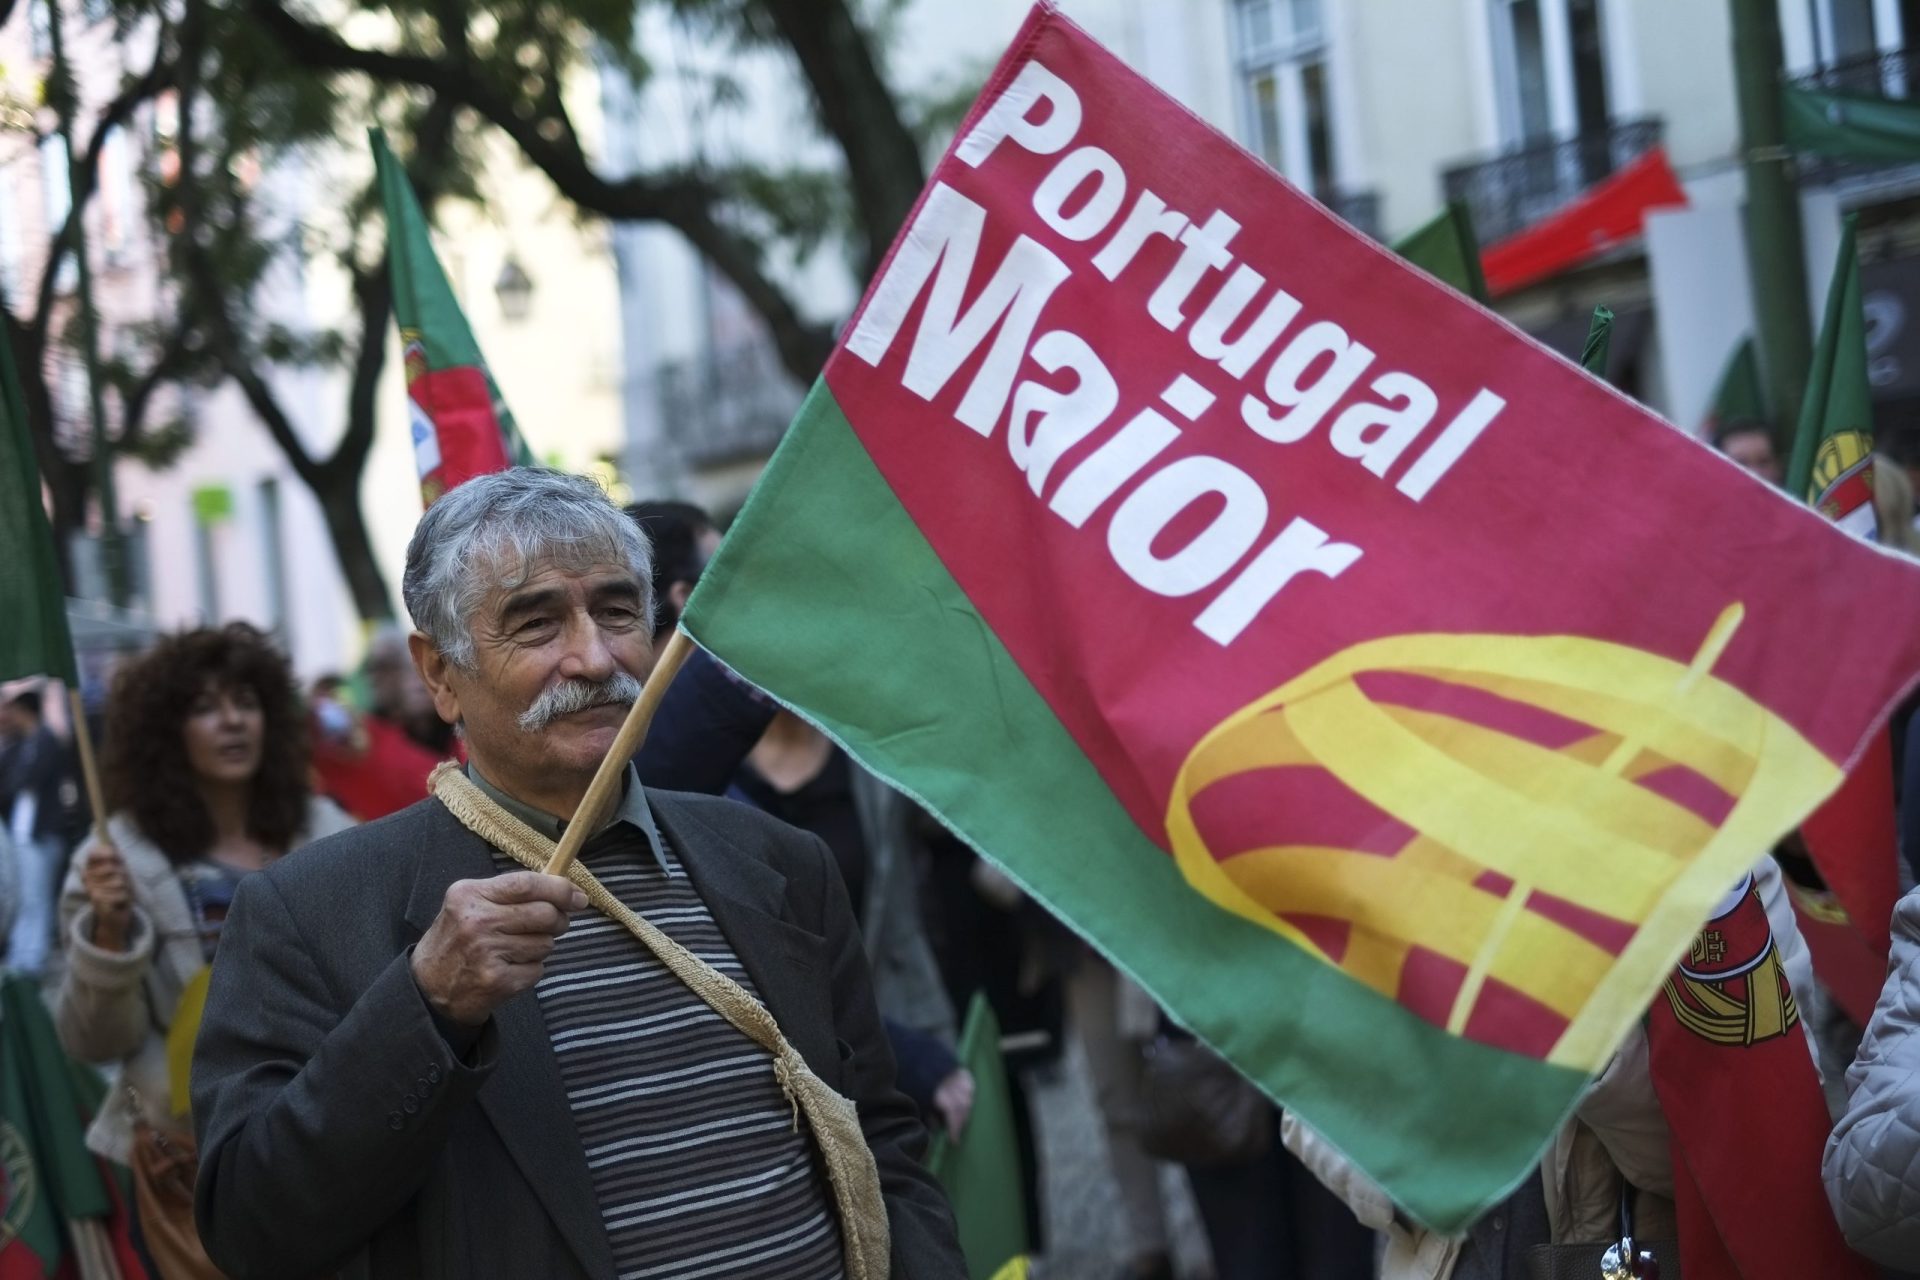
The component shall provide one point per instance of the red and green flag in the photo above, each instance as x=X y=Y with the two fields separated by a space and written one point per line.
x=1853 y=836
x=981 y=1171
x=61 y=1212
x=1227 y=582
x=461 y=426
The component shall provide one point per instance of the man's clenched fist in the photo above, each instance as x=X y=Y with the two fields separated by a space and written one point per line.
x=490 y=941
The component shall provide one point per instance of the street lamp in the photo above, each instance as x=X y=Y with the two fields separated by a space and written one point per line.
x=514 y=288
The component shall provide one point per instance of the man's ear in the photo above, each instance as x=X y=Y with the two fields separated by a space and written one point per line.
x=434 y=670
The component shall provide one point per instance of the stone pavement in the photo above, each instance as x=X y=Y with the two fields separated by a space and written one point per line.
x=1084 y=1228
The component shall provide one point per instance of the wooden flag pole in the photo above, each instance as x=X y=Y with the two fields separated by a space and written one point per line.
x=633 y=731
x=89 y=769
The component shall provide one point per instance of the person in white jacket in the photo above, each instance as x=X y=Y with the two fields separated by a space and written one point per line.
x=1872 y=1165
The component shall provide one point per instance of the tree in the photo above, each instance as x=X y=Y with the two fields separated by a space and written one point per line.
x=264 y=82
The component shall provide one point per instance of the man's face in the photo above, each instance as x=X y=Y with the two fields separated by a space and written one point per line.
x=1754 y=451
x=560 y=625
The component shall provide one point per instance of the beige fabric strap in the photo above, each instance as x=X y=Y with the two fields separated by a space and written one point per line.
x=832 y=1118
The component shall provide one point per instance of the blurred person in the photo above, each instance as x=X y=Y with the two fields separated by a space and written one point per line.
x=798 y=774
x=397 y=695
x=1872 y=1164
x=36 y=822
x=710 y=718
x=1893 y=511
x=205 y=775
x=1750 y=444
x=367 y=765
x=437 y=1064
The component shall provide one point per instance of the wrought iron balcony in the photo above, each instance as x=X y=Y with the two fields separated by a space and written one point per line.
x=1359 y=209
x=1520 y=187
x=730 y=406
x=1895 y=76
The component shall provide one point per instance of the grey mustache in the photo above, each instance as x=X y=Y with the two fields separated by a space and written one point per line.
x=569 y=696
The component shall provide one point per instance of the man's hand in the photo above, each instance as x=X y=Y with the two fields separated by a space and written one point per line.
x=491 y=941
x=110 y=893
x=953 y=1099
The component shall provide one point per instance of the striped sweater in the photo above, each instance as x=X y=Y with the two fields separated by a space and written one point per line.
x=693 y=1150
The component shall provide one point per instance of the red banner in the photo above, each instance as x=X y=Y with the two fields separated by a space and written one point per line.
x=1613 y=212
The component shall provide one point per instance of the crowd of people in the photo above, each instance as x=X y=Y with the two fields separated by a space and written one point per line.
x=362 y=1020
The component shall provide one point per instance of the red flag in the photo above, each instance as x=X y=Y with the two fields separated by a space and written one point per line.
x=1843 y=959
x=1737 y=1085
x=1613 y=211
x=1853 y=840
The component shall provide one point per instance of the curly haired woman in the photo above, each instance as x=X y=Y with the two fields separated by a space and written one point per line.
x=205 y=771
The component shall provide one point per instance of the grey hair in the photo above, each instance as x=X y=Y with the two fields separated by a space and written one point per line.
x=494 y=530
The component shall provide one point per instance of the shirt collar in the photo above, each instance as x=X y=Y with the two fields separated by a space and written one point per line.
x=632 y=809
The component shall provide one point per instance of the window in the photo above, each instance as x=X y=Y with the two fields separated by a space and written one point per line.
x=116 y=195
x=1550 y=69
x=273 y=556
x=1285 y=103
x=40 y=28
x=12 y=244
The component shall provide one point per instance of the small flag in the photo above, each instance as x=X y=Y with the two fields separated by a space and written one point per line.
x=55 y=1190
x=1446 y=249
x=1833 y=450
x=461 y=425
x=1593 y=356
x=1737 y=1086
x=1740 y=397
x=981 y=1172
x=34 y=640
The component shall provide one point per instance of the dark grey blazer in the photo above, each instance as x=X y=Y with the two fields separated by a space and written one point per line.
x=338 y=1133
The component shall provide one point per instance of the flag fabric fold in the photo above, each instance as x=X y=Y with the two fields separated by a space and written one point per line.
x=1447 y=250
x=460 y=423
x=1220 y=585
x=35 y=639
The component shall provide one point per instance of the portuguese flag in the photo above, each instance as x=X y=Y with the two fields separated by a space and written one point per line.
x=1832 y=465
x=1346 y=667
x=461 y=426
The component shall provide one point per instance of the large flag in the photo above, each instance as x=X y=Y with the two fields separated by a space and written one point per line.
x=1738 y=1089
x=1447 y=249
x=34 y=640
x=461 y=425
x=1847 y=126
x=981 y=1171
x=1234 y=591
x=1610 y=214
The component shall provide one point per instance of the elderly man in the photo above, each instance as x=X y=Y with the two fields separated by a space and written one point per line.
x=419 y=1059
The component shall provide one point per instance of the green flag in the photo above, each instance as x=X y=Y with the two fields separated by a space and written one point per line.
x=34 y=640
x=1832 y=463
x=981 y=1172
x=461 y=425
x=1845 y=126
x=1593 y=356
x=1740 y=397
x=1446 y=249
x=51 y=1178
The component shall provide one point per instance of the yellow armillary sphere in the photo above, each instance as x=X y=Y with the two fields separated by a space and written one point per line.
x=1571 y=822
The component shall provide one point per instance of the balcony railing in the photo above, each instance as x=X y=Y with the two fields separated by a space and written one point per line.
x=1893 y=75
x=1359 y=209
x=1520 y=187
x=729 y=406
